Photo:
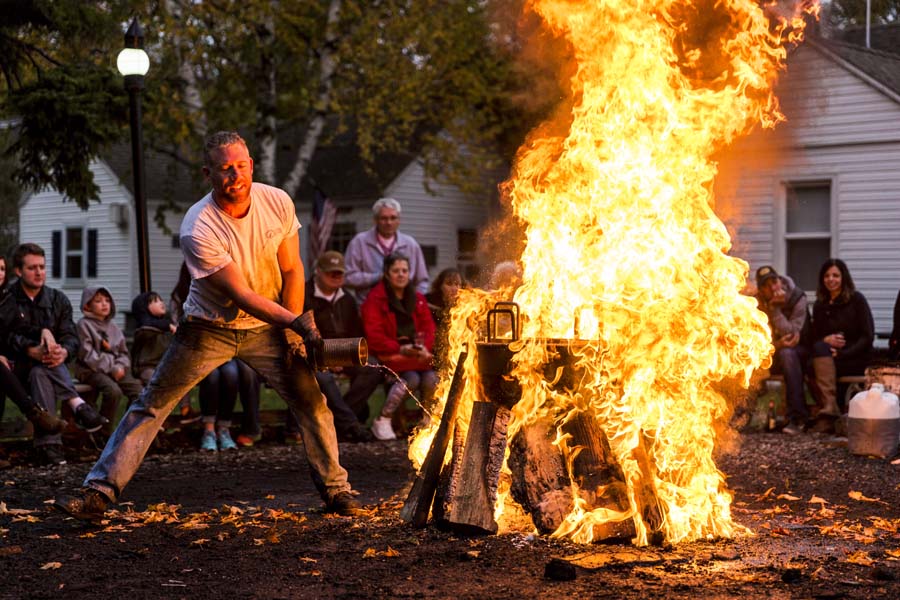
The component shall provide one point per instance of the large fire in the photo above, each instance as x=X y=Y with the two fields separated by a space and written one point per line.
x=622 y=243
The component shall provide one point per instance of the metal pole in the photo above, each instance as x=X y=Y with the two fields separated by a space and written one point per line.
x=868 y=23
x=134 y=84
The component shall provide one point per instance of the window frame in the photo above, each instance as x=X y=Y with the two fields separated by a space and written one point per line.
x=785 y=237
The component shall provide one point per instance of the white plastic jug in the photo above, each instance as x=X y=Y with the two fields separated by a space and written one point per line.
x=873 y=423
x=874 y=403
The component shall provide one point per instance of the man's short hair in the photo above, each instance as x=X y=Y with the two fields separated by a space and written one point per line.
x=220 y=139
x=385 y=203
x=22 y=250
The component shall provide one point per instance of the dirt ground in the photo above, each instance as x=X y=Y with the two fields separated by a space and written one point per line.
x=249 y=524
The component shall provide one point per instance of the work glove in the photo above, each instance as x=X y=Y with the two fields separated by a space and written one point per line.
x=305 y=327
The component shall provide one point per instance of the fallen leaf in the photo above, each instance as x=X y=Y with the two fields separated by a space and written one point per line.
x=893 y=553
x=765 y=494
x=258 y=542
x=389 y=552
x=51 y=565
x=860 y=558
x=199 y=542
x=780 y=531
x=308 y=559
x=270 y=497
x=858 y=496
x=10 y=550
x=817 y=500
x=54 y=536
x=787 y=497
x=370 y=553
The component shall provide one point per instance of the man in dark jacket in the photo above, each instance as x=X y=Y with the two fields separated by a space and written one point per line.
x=43 y=341
x=337 y=316
x=786 y=307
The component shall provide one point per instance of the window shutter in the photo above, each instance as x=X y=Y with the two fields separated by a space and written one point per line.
x=92 y=253
x=56 y=255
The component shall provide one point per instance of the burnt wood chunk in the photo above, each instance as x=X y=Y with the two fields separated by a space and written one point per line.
x=645 y=491
x=599 y=478
x=540 y=483
x=418 y=503
x=472 y=490
x=544 y=487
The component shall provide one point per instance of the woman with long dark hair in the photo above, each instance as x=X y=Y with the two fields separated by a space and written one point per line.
x=842 y=332
x=441 y=298
x=400 y=332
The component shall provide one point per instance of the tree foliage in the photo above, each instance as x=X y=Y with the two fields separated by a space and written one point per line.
x=431 y=77
x=843 y=14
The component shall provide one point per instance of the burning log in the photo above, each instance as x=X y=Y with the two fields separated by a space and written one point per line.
x=544 y=488
x=471 y=492
x=418 y=503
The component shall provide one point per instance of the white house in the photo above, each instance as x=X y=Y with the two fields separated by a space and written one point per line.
x=827 y=182
x=98 y=246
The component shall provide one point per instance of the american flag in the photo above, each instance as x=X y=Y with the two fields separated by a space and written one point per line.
x=323 y=217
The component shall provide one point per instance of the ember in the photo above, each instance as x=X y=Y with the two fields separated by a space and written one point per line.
x=631 y=308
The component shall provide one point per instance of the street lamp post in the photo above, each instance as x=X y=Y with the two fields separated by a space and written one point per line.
x=133 y=63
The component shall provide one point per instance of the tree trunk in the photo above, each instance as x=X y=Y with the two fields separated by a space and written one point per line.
x=327 y=66
x=266 y=100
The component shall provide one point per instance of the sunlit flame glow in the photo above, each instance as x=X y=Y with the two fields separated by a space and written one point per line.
x=622 y=242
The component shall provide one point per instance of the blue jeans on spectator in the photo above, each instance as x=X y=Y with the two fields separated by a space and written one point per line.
x=791 y=363
x=198 y=348
x=351 y=409
x=218 y=394
x=47 y=385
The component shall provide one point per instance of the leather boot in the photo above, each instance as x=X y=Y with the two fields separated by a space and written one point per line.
x=826 y=382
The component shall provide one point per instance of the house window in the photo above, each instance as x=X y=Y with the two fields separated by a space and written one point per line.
x=341 y=234
x=807 y=230
x=74 y=253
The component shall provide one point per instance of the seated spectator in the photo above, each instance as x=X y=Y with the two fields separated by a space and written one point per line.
x=786 y=307
x=842 y=332
x=152 y=335
x=218 y=396
x=10 y=386
x=103 y=359
x=42 y=339
x=248 y=390
x=441 y=298
x=337 y=316
x=400 y=332
x=894 y=343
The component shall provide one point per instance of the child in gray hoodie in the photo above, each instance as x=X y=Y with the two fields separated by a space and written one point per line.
x=103 y=359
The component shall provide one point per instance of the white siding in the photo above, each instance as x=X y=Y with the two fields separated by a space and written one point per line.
x=851 y=138
x=434 y=219
x=45 y=211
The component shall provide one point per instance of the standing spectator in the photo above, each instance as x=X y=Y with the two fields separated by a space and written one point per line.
x=241 y=246
x=786 y=307
x=42 y=341
x=400 y=332
x=337 y=316
x=103 y=359
x=441 y=298
x=367 y=251
x=842 y=331
x=10 y=386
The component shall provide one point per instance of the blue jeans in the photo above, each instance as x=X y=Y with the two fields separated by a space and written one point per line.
x=791 y=362
x=197 y=349
x=47 y=385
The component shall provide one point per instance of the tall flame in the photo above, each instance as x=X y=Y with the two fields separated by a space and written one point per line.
x=623 y=247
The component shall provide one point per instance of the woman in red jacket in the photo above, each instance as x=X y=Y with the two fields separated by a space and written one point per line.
x=400 y=332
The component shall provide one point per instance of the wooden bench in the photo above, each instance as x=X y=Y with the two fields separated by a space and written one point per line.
x=854 y=383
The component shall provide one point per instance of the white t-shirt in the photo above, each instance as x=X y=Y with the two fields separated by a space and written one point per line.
x=211 y=239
